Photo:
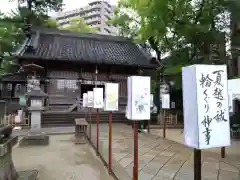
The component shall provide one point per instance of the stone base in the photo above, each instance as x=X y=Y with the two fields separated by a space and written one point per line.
x=7 y=169
x=40 y=139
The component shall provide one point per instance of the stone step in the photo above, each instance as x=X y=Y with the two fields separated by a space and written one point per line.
x=67 y=118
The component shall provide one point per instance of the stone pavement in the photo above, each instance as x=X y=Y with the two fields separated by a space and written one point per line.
x=61 y=160
x=161 y=159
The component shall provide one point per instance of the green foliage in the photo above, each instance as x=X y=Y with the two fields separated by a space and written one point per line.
x=154 y=85
x=10 y=36
x=185 y=29
x=50 y=23
x=41 y=6
x=11 y=26
x=78 y=25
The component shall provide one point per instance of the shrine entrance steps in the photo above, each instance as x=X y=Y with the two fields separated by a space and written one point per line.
x=61 y=119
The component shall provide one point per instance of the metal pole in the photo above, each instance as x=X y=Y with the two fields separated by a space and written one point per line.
x=135 y=167
x=197 y=164
x=110 y=142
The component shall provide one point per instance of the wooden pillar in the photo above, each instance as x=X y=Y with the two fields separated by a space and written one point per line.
x=46 y=84
x=135 y=160
x=109 y=142
x=13 y=89
x=197 y=164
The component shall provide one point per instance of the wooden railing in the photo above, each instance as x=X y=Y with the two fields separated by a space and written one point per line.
x=11 y=120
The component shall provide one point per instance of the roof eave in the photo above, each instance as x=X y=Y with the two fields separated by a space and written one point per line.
x=30 y=57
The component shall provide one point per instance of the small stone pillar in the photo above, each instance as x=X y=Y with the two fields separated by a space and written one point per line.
x=36 y=136
x=7 y=169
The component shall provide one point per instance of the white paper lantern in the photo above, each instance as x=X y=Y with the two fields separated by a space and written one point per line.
x=205 y=105
x=98 y=97
x=138 y=106
x=90 y=98
x=111 y=97
x=85 y=101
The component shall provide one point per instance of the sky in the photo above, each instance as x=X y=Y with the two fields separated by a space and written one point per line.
x=7 y=6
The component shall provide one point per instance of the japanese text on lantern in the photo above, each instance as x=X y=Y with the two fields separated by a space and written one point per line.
x=212 y=88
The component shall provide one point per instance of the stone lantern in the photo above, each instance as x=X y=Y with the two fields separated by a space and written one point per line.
x=36 y=97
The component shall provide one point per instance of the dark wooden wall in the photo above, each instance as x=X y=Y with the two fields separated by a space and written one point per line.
x=62 y=80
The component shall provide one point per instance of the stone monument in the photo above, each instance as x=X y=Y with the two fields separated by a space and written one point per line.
x=7 y=141
x=36 y=97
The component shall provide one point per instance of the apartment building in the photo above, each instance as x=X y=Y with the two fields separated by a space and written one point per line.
x=95 y=14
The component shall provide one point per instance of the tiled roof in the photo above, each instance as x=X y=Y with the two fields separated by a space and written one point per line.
x=52 y=44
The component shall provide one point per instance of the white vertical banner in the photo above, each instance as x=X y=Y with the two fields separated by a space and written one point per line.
x=111 y=97
x=205 y=104
x=98 y=98
x=165 y=98
x=90 y=98
x=85 y=101
x=138 y=106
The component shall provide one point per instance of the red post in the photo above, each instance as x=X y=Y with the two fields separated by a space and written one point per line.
x=164 y=124
x=148 y=126
x=90 y=121
x=110 y=142
x=197 y=164
x=97 y=119
x=135 y=161
x=223 y=152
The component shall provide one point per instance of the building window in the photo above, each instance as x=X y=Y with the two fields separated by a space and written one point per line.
x=9 y=87
x=107 y=11
x=60 y=84
x=94 y=23
x=68 y=84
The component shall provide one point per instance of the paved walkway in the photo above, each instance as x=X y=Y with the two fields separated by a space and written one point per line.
x=61 y=160
x=161 y=159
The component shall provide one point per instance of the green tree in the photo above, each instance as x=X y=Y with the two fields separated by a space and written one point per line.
x=78 y=25
x=185 y=29
x=11 y=34
x=50 y=23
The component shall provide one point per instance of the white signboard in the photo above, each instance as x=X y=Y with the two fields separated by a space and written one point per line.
x=90 y=98
x=205 y=104
x=85 y=102
x=165 y=98
x=138 y=105
x=111 y=97
x=98 y=97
